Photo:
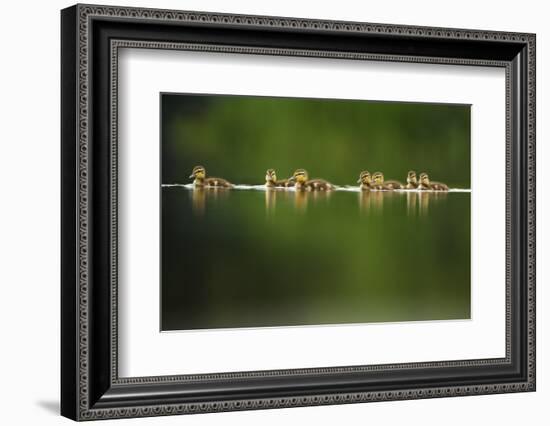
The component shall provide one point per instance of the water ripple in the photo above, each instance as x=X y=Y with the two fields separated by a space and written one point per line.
x=338 y=188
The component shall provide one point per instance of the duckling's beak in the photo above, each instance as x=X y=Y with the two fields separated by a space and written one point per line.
x=359 y=180
x=192 y=175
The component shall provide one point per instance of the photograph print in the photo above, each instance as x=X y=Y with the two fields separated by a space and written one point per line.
x=279 y=212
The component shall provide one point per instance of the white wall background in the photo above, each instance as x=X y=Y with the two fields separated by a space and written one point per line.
x=30 y=224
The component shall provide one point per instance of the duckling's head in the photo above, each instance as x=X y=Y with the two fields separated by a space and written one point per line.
x=424 y=179
x=411 y=177
x=198 y=173
x=378 y=178
x=270 y=175
x=365 y=178
x=300 y=176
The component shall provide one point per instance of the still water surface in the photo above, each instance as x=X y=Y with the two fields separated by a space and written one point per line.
x=254 y=258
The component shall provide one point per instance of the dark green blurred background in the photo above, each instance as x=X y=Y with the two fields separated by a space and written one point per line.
x=239 y=137
x=247 y=258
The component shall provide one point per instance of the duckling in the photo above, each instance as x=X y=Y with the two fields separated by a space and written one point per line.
x=302 y=182
x=272 y=182
x=380 y=184
x=201 y=181
x=424 y=181
x=412 y=182
x=299 y=178
x=365 y=181
x=425 y=184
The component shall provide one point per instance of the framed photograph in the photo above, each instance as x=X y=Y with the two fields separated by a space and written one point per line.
x=263 y=212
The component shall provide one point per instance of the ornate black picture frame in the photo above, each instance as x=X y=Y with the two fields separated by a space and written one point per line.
x=91 y=387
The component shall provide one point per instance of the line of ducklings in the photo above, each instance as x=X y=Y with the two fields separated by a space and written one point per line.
x=300 y=180
x=376 y=182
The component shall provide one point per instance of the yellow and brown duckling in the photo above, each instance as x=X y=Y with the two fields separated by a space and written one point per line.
x=365 y=181
x=272 y=182
x=379 y=183
x=302 y=182
x=426 y=184
x=412 y=181
x=201 y=181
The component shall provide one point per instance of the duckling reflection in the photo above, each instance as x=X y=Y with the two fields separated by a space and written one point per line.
x=198 y=200
x=200 y=194
x=270 y=200
x=423 y=203
x=373 y=201
x=217 y=193
x=411 y=202
x=378 y=201
x=365 y=201
x=426 y=200
x=300 y=201
x=320 y=196
x=439 y=196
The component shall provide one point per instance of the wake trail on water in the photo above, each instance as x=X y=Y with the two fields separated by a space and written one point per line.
x=337 y=188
